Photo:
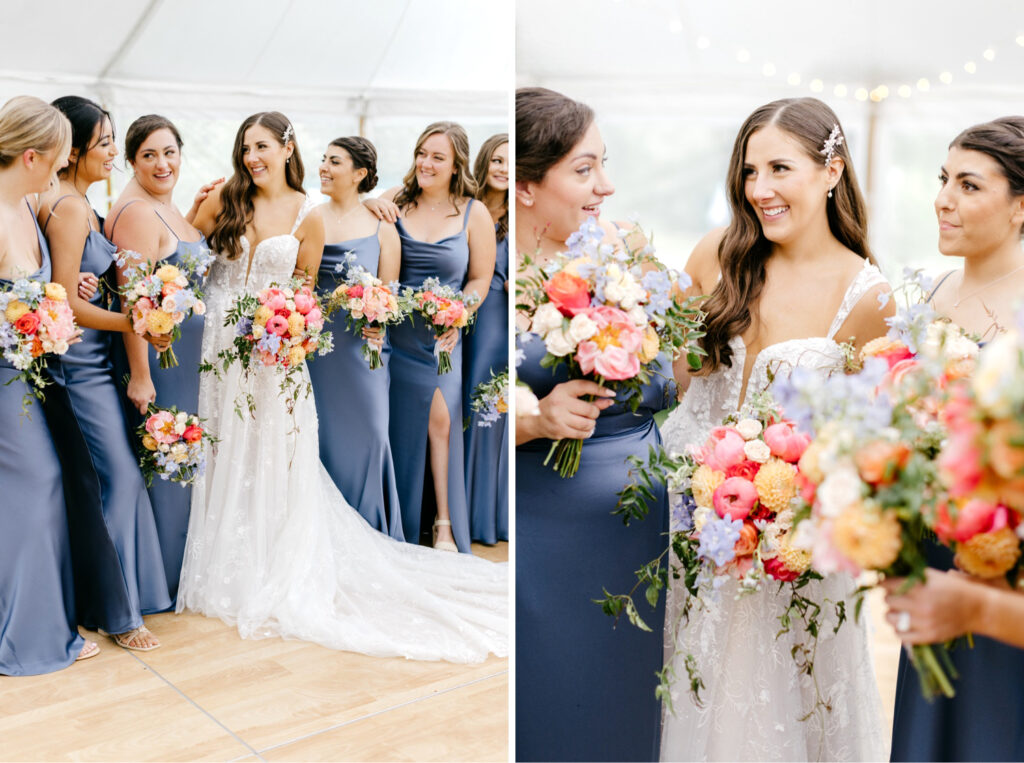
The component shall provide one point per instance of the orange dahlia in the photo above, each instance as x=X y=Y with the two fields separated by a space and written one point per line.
x=989 y=555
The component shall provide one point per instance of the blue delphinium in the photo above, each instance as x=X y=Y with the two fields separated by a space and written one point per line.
x=681 y=516
x=718 y=539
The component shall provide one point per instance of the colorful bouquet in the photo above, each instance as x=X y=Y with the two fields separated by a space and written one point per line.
x=490 y=399
x=368 y=303
x=607 y=313
x=443 y=308
x=732 y=516
x=280 y=327
x=160 y=297
x=35 y=319
x=173 y=445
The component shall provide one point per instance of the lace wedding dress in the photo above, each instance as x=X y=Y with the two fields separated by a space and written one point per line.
x=754 y=696
x=274 y=548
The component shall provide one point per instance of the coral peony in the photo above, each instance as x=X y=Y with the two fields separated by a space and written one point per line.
x=785 y=442
x=734 y=498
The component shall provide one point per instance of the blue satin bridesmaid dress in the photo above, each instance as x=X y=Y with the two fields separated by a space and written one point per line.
x=176 y=386
x=414 y=378
x=487 y=447
x=117 y=590
x=352 y=404
x=38 y=633
x=585 y=690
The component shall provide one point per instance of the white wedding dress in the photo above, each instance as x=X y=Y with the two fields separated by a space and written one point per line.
x=753 y=696
x=274 y=548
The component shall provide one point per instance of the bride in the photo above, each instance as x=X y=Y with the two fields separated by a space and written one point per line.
x=273 y=547
x=790 y=276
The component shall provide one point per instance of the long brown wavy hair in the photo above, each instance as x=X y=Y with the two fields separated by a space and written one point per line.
x=744 y=250
x=236 y=198
x=480 y=169
x=462 y=183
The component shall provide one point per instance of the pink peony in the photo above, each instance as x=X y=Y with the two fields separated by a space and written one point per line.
x=161 y=426
x=272 y=298
x=724 y=449
x=613 y=363
x=57 y=319
x=277 y=325
x=304 y=301
x=785 y=442
x=734 y=498
x=314 y=319
x=613 y=350
x=979 y=516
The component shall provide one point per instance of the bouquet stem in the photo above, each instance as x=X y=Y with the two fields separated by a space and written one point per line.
x=372 y=357
x=168 y=359
x=931 y=672
x=567 y=454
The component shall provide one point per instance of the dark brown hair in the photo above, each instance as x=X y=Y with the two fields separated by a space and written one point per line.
x=480 y=170
x=236 y=198
x=1003 y=140
x=142 y=128
x=364 y=157
x=744 y=251
x=548 y=125
x=85 y=116
x=461 y=184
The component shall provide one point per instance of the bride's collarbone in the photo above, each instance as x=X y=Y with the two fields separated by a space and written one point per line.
x=272 y=220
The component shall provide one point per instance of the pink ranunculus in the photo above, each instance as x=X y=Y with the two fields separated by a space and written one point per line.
x=304 y=302
x=734 y=498
x=785 y=442
x=273 y=298
x=161 y=426
x=144 y=303
x=314 y=319
x=724 y=449
x=277 y=325
x=169 y=289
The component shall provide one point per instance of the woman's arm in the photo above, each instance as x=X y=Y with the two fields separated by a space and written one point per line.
x=867 y=320
x=311 y=245
x=201 y=196
x=390 y=265
x=383 y=207
x=206 y=214
x=482 y=249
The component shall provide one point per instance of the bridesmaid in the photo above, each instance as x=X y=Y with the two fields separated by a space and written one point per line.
x=486 y=352
x=585 y=689
x=125 y=577
x=980 y=211
x=352 y=400
x=144 y=219
x=445 y=235
x=38 y=633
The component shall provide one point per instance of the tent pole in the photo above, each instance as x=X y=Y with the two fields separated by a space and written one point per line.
x=362 y=125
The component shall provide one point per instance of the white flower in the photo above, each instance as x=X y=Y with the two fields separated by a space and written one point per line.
x=946 y=340
x=839 y=489
x=257 y=332
x=581 y=328
x=998 y=363
x=547 y=318
x=749 y=428
x=701 y=515
x=558 y=343
x=803 y=537
x=638 y=316
x=757 y=451
x=528 y=405
x=60 y=346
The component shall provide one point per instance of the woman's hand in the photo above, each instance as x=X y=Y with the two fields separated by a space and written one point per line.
x=382 y=209
x=88 y=283
x=307 y=278
x=200 y=197
x=141 y=392
x=945 y=606
x=375 y=336
x=447 y=341
x=160 y=343
x=565 y=415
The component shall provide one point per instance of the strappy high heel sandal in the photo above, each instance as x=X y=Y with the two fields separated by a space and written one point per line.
x=443 y=545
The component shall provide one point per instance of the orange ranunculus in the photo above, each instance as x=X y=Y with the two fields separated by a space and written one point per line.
x=748 y=540
x=879 y=462
x=568 y=293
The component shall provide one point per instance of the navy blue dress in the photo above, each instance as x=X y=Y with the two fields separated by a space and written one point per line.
x=414 y=378
x=585 y=690
x=38 y=633
x=176 y=386
x=487 y=447
x=352 y=404
x=131 y=582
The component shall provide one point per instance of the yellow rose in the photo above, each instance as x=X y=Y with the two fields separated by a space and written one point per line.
x=55 y=291
x=15 y=310
x=263 y=314
x=159 y=323
x=650 y=347
x=167 y=273
x=296 y=323
x=148 y=442
x=296 y=355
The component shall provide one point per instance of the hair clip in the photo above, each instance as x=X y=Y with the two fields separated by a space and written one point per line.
x=834 y=141
x=286 y=136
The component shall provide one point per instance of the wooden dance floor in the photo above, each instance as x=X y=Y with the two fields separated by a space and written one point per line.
x=208 y=695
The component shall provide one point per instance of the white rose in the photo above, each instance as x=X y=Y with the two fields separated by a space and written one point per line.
x=257 y=332
x=547 y=318
x=60 y=346
x=613 y=292
x=997 y=363
x=749 y=428
x=701 y=515
x=528 y=405
x=558 y=343
x=757 y=451
x=581 y=328
x=839 y=489
x=638 y=316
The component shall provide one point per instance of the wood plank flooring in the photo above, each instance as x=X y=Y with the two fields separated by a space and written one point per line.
x=209 y=695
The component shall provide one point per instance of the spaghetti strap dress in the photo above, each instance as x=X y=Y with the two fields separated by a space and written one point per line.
x=414 y=378
x=352 y=403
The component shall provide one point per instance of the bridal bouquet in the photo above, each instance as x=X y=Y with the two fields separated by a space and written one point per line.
x=490 y=399
x=173 y=445
x=732 y=516
x=279 y=327
x=160 y=297
x=607 y=313
x=368 y=302
x=443 y=308
x=35 y=319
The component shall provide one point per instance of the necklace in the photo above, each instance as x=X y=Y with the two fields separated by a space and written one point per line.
x=990 y=283
x=338 y=218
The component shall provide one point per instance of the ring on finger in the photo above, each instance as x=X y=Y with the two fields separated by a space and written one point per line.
x=903 y=622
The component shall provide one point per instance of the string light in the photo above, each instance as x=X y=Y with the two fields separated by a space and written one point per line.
x=793 y=78
x=945 y=78
x=768 y=70
x=839 y=91
x=742 y=55
x=970 y=67
x=817 y=85
x=861 y=94
x=924 y=85
x=989 y=54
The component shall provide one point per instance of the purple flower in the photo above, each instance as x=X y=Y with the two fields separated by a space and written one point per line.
x=718 y=539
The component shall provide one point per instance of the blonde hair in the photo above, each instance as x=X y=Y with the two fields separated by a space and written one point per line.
x=29 y=122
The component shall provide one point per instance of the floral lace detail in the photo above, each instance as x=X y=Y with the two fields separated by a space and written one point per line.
x=754 y=695
x=274 y=548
